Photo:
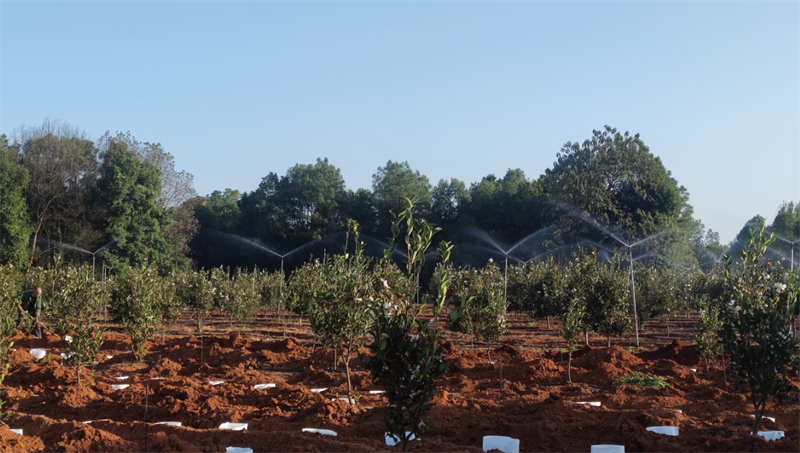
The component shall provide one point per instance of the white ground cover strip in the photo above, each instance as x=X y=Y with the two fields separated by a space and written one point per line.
x=120 y=386
x=39 y=353
x=392 y=441
x=590 y=403
x=17 y=431
x=502 y=443
x=770 y=435
x=215 y=382
x=263 y=386
x=238 y=450
x=326 y=432
x=169 y=423
x=606 y=448
x=233 y=426
x=666 y=430
x=319 y=390
x=376 y=392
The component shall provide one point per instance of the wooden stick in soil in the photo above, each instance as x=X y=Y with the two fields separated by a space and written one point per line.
x=146 y=392
x=502 y=393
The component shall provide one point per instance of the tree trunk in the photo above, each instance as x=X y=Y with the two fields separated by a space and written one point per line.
x=608 y=341
x=548 y=322
x=586 y=337
x=347 y=373
x=569 y=364
x=35 y=237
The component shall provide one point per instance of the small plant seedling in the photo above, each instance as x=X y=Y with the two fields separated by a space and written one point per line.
x=642 y=380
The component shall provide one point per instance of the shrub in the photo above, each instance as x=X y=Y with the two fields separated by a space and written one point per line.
x=345 y=303
x=756 y=328
x=407 y=352
x=482 y=310
x=133 y=304
x=198 y=294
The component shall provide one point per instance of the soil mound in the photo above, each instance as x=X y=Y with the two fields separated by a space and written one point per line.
x=14 y=443
x=679 y=352
x=615 y=356
x=88 y=439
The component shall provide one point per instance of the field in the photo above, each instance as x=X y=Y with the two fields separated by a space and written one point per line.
x=534 y=404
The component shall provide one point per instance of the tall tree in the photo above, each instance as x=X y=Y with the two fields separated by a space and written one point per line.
x=302 y=206
x=177 y=187
x=63 y=168
x=449 y=200
x=786 y=227
x=392 y=185
x=128 y=190
x=615 y=179
x=508 y=208
x=15 y=231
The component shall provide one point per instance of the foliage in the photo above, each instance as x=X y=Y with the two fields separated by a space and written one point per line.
x=482 y=310
x=407 y=361
x=544 y=290
x=407 y=353
x=304 y=286
x=617 y=180
x=606 y=292
x=270 y=288
x=134 y=297
x=345 y=304
x=756 y=326
x=241 y=295
x=63 y=169
x=640 y=379
x=10 y=289
x=128 y=192
x=393 y=185
x=197 y=294
x=15 y=230
x=169 y=307
x=706 y=337
x=574 y=324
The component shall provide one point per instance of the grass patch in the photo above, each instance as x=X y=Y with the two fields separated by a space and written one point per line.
x=642 y=380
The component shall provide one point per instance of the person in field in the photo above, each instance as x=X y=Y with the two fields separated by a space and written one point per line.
x=31 y=302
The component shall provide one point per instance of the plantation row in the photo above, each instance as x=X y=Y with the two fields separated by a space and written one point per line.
x=747 y=309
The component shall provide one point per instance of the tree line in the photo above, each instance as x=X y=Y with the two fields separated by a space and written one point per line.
x=123 y=202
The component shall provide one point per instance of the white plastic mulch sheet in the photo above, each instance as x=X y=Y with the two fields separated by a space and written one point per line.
x=392 y=441
x=666 y=430
x=326 y=432
x=502 y=443
x=233 y=426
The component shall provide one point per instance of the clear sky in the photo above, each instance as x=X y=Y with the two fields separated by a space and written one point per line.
x=237 y=90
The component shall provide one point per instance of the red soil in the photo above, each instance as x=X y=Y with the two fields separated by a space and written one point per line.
x=49 y=406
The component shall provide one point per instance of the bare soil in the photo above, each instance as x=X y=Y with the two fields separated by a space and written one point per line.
x=535 y=405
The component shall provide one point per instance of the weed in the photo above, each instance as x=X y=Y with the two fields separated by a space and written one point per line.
x=639 y=379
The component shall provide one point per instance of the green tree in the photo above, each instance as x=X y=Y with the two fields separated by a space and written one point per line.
x=345 y=302
x=606 y=293
x=615 y=179
x=63 y=169
x=392 y=185
x=128 y=190
x=15 y=231
x=407 y=353
x=219 y=211
x=302 y=206
x=757 y=324
x=449 y=200
x=508 y=208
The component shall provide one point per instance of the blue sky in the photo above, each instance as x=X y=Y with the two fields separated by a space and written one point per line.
x=237 y=90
